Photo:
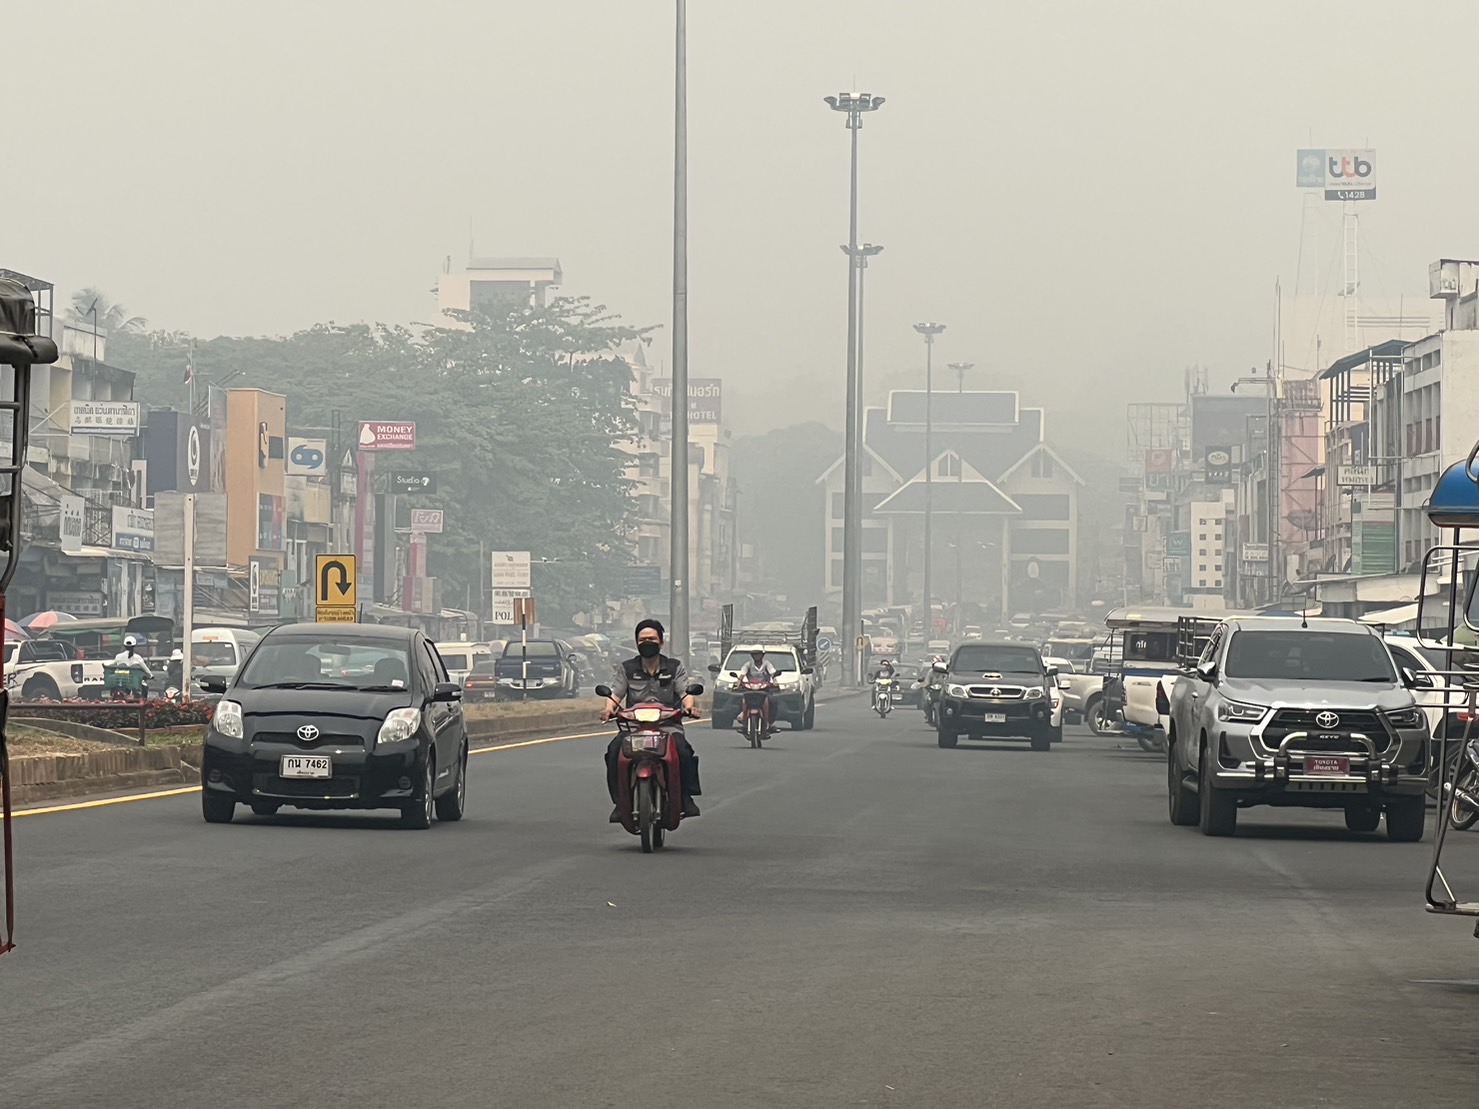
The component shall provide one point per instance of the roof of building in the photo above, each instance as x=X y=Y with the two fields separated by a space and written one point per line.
x=968 y=407
x=1391 y=348
x=959 y=498
x=991 y=449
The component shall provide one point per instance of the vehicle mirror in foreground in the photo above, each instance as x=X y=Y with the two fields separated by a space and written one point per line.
x=713 y=668
x=1052 y=672
x=212 y=683
x=695 y=689
x=1207 y=671
x=603 y=691
x=940 y=668
x=1413 y=680
x=1064 y=683
x=447 y=691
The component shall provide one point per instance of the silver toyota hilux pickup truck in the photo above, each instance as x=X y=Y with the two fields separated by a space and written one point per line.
x=1300 y=713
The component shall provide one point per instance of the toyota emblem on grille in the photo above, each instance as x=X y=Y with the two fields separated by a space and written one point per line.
x=995 y=692
x=1327 y=719
x=308 y=733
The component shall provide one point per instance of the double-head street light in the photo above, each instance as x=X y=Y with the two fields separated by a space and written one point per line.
x=854 y=105
x=929 y=331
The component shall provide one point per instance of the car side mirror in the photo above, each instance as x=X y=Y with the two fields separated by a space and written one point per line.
x=713 y=668
x=1413 y=680
x=212 y=683
x=940 y=668
x=603 y=691
x=806 y=669
x=695 y=689
x=1052 y=673
x=1064 y=683
x=446 y=691
x=1207 y=671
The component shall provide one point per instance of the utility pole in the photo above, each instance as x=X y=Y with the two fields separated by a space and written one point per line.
x=678 y=447
x=854 y=105
x=929 y=331
x=187 y=601
x=961 y=369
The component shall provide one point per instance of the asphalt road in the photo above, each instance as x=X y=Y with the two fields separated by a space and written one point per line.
x=859 y=918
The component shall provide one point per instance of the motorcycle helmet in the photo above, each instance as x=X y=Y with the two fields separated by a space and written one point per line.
x=130 y=641
x=177 y=655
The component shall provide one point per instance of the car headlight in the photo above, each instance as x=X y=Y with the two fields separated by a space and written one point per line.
x=1235 y=711
x=955 y=690
x=1408 y=718
x=1034 y=693
x=227 y=719
x=400 y=724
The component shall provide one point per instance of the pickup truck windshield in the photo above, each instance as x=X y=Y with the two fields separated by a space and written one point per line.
x=1307 y=656
x=783 y=661
x=996 y=660
x=538 y=648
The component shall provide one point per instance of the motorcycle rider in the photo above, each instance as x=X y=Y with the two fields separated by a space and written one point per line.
x=885 y=670
x=130 y=658
x=760 y=669
x=175 y=671
x=655 y=678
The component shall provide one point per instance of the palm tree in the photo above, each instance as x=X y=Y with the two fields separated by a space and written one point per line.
x=110 y=317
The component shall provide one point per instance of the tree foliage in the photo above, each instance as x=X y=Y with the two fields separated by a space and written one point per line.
x=110 y=317
x=523 y=417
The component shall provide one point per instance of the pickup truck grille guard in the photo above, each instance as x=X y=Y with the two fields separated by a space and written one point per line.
x=1287 y=764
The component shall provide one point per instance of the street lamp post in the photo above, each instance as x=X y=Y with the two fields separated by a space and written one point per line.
x=853 y=104
x=678 y=513
x=860 y=258
x=929 y=331
x=961 y=369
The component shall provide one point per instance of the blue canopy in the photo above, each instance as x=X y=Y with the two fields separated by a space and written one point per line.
x=1454 y=502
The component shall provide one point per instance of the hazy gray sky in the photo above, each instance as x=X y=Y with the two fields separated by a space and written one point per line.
x=1093 y=192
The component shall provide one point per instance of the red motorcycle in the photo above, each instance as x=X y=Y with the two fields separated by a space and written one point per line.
x=649 y=783
x=754 y=717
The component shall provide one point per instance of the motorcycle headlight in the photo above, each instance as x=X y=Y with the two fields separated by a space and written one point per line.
x=400 y=724
x=1236 y=712
x=227 y=719
x=955 y=690
x=1408 y=718
x=1034 y=693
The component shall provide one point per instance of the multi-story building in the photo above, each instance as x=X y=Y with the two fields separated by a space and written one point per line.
x=1004 y=505
x=92 y=535
x=498 y=285
x=256 y=495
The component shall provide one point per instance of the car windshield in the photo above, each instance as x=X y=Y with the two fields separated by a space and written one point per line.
x=1308 y=656
x=343 y=663
x=538 y=648
x=781 y=660
x=218 y=652
x=991 y=659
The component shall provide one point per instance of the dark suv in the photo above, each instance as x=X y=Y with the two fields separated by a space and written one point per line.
x=996 y=691
x=337 y=716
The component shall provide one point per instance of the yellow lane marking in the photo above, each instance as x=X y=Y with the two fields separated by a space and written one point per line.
x=101 y=802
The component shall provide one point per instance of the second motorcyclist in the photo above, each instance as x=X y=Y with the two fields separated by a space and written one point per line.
x=760 y=669
x=652 y=677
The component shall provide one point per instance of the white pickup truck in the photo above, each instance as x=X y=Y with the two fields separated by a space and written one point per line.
x=49 y=670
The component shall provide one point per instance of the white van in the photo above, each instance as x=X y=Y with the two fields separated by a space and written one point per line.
x=461 y=656
x=220 y=651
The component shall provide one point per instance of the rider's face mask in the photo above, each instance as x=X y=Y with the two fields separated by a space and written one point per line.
x=649 y=648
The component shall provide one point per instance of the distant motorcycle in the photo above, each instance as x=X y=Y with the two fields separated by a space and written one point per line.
x=883 y=697
x=754 y=718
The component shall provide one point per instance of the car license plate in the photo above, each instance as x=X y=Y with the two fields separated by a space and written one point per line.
x=1326 y=766
x=996 y=718
x=306 y=766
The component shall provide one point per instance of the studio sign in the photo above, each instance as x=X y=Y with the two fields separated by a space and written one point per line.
x=1218 y=464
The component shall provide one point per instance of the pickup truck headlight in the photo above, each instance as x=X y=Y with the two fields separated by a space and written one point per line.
x=1235 y=711
x=227 y=719
x=1034 y=693
x=955 y=690
x=1408 y=718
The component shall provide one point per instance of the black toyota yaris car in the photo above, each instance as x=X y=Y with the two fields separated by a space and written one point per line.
x=338 y=716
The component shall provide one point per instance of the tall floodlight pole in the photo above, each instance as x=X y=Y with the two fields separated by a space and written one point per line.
x=860 y=258
x=678 y=527
x=853 y=104
x=961 y=369
x=929 y=331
